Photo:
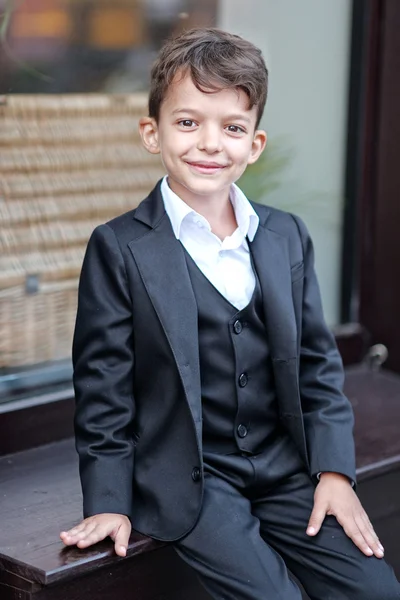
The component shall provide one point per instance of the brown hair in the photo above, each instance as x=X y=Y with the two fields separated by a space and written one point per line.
x=215 y=60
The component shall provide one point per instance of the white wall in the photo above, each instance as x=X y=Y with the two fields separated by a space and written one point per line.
x=306 y=44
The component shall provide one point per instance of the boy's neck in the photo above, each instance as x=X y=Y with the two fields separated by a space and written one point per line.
x=218 y=209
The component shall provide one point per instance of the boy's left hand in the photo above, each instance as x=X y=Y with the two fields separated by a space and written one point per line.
x=335 y=496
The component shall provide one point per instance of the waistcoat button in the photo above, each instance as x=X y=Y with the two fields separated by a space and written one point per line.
x=242 y=431
x=243 y=379
x=196 y=474
x=237 y=327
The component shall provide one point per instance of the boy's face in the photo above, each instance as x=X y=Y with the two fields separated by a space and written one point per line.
x=206 y=140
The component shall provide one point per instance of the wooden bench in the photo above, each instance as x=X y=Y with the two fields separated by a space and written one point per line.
x=40 y=495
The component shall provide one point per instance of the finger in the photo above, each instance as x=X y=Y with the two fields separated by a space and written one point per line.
x=81 y=528
x=121 y=539
x=369 y=536
x=80 y=535
x=316 y=519
x=98 y=534
x=76 y=529
x=365 y=518
x=352 y=530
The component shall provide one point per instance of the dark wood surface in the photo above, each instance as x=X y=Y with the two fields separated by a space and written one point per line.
x=353 y=341
x=375 y=397
x=376 y=226
x=40 y=495
x=159 y=575
x=36 y=421
x=364 y=82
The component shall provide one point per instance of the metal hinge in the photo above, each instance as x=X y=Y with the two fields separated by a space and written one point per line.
x=376 y=356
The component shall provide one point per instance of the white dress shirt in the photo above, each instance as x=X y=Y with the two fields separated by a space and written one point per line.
x=226 y=263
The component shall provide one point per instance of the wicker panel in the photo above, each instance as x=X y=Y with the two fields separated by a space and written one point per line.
x=67 y=163
x=45 y=236
x=37 y=185
x=37 y=327
x=67 y=158
x=66 y=130
x=77 y=206
x=47 y=266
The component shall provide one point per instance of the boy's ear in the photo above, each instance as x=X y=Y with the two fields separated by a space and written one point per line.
x=259 y=143
x=149 y=133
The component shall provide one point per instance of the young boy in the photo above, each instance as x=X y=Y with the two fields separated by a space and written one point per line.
x=209 y=406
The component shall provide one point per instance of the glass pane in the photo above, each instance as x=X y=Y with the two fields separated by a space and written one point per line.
x=63 y=46
x=68 y=162
x=307 y=49
x=84 y=162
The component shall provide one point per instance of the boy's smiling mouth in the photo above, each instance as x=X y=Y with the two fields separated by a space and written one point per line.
x=205 y=166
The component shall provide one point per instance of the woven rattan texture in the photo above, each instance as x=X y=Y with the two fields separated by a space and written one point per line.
x=67 y=164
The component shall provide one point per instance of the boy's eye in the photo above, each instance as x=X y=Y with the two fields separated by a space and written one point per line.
x=235 y=129
x=186 y=123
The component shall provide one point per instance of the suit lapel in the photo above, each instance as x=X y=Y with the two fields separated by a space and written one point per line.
x=160 y=259
x=271 y=258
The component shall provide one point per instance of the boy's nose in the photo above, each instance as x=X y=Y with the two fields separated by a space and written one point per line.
x=210 y=140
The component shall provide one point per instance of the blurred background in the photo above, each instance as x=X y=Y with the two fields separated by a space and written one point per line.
x=73 y=82
x=74 y=76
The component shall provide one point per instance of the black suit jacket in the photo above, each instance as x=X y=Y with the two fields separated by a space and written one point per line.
x=138 y=419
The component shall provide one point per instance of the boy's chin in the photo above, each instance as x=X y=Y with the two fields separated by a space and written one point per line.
x=206 y=183
x=207 y=187
x=201 y=186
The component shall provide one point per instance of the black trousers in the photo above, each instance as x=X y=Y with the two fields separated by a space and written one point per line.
x=252 y=529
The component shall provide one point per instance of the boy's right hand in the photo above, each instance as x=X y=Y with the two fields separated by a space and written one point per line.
x=97 y=528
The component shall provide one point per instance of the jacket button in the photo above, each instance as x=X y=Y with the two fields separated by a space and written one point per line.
x=243 y=379
x=237 y=327
x=196 y=474
x=242 y=431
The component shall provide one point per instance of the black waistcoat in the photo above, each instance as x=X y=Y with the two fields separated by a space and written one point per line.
x=239 y=403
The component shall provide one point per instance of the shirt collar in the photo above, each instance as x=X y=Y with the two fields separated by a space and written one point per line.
x=246 y=217
x=177 y=210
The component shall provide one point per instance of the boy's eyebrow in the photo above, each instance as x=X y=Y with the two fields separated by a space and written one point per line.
x=233 y=117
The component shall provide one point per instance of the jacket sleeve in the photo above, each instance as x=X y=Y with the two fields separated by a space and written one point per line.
x=103 y=364
x=328 y=415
